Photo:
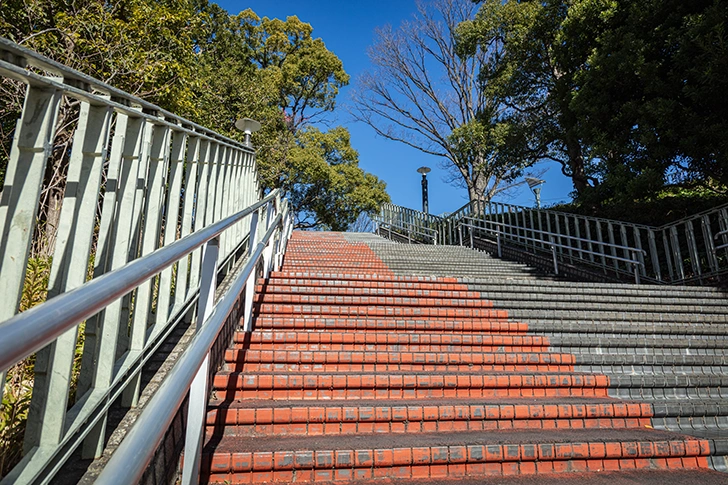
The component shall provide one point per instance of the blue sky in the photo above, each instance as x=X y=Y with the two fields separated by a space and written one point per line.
x=347 y=28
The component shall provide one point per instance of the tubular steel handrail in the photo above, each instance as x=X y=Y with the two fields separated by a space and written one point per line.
x=131 y=458
x=635 y=262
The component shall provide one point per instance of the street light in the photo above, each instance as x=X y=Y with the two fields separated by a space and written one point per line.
x=535 y=185
x=248 y=127
x=424 y=171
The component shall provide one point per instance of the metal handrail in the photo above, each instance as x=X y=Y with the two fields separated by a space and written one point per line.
x=433 y=233
x=31 y=330
x=635 y=262
x=131 y=458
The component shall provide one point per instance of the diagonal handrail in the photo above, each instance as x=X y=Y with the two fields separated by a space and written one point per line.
x=32 y=330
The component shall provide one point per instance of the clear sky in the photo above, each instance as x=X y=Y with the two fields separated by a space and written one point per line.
x=347 y=29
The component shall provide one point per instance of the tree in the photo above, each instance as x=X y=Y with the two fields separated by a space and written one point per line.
x=141 y=46
x=276 y=72
x=326 y=187
x=653 y=96
x=625 y=95
x=533 y=71
x=423 y=94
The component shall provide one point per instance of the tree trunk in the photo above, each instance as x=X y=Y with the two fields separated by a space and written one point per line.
x=49 y=227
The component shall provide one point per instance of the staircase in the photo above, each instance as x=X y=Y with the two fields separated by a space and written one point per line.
x=372 y=361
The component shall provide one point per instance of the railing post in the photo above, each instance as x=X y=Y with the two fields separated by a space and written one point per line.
x=460 y=234
x=102 y=334
x=194 y=435
x=154 y=196
x=268 y=252
x=182 y=286
x=31 y=147
x=498 y=240
x=635 y=258
x=250 y=284
x=53 y=365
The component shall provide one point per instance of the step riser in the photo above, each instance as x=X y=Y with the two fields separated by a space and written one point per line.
x=402 y=368
x=380 y=355
x=451 y=461
x=282 y=310
x=368 y=301
x=334 y=324
x=326 y=429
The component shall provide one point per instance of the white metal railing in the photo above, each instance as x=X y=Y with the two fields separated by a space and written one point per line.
x=165 y=186
x=544 y=238
x=409 y=230
x=679 y=252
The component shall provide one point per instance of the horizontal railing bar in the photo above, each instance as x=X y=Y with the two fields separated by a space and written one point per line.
x=33 y=329
x=562 y=246
x=95 y=99
x=37 y=60
x=415 y=231
x=563 y=236
x=131 y=458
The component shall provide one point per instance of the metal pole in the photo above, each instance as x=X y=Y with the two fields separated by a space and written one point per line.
x=425 y=205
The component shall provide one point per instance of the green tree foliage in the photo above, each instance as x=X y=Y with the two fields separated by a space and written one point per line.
x=192 y=58
x=626 y=95
x=654 y=94
x=275 y=71
x=326 y=186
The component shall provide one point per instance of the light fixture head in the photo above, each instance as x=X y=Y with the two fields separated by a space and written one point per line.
x=247 y=126
x=534 y=182
x=423 y=170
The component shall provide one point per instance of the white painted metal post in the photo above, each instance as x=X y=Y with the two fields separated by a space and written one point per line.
x=158 y=158
x=201 y=198
x=250 y=284
x=194 y=434
x=171 y=221
x=23 y=184
x=100 y=360
x=53 y=365
x=190 y=189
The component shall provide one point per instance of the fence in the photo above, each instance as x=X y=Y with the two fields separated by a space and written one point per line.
x=676 y=253
x=145 y=190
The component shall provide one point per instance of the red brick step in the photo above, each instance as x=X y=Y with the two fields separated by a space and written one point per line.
x=451 y=455
x=315 y=418
x=407 y=386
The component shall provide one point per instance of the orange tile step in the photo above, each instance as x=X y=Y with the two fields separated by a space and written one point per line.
x=368 y=283
x=413 y=385
x=370 y=300
x=409 y=292
x=331 y=323
x=372 y=340
x=347 y=361
x=344 y=458
x=267 y=418
x=379 y=311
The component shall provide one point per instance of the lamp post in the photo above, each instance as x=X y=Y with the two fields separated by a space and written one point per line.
x=535 y=185
x=424 y=171
x=248 y=127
